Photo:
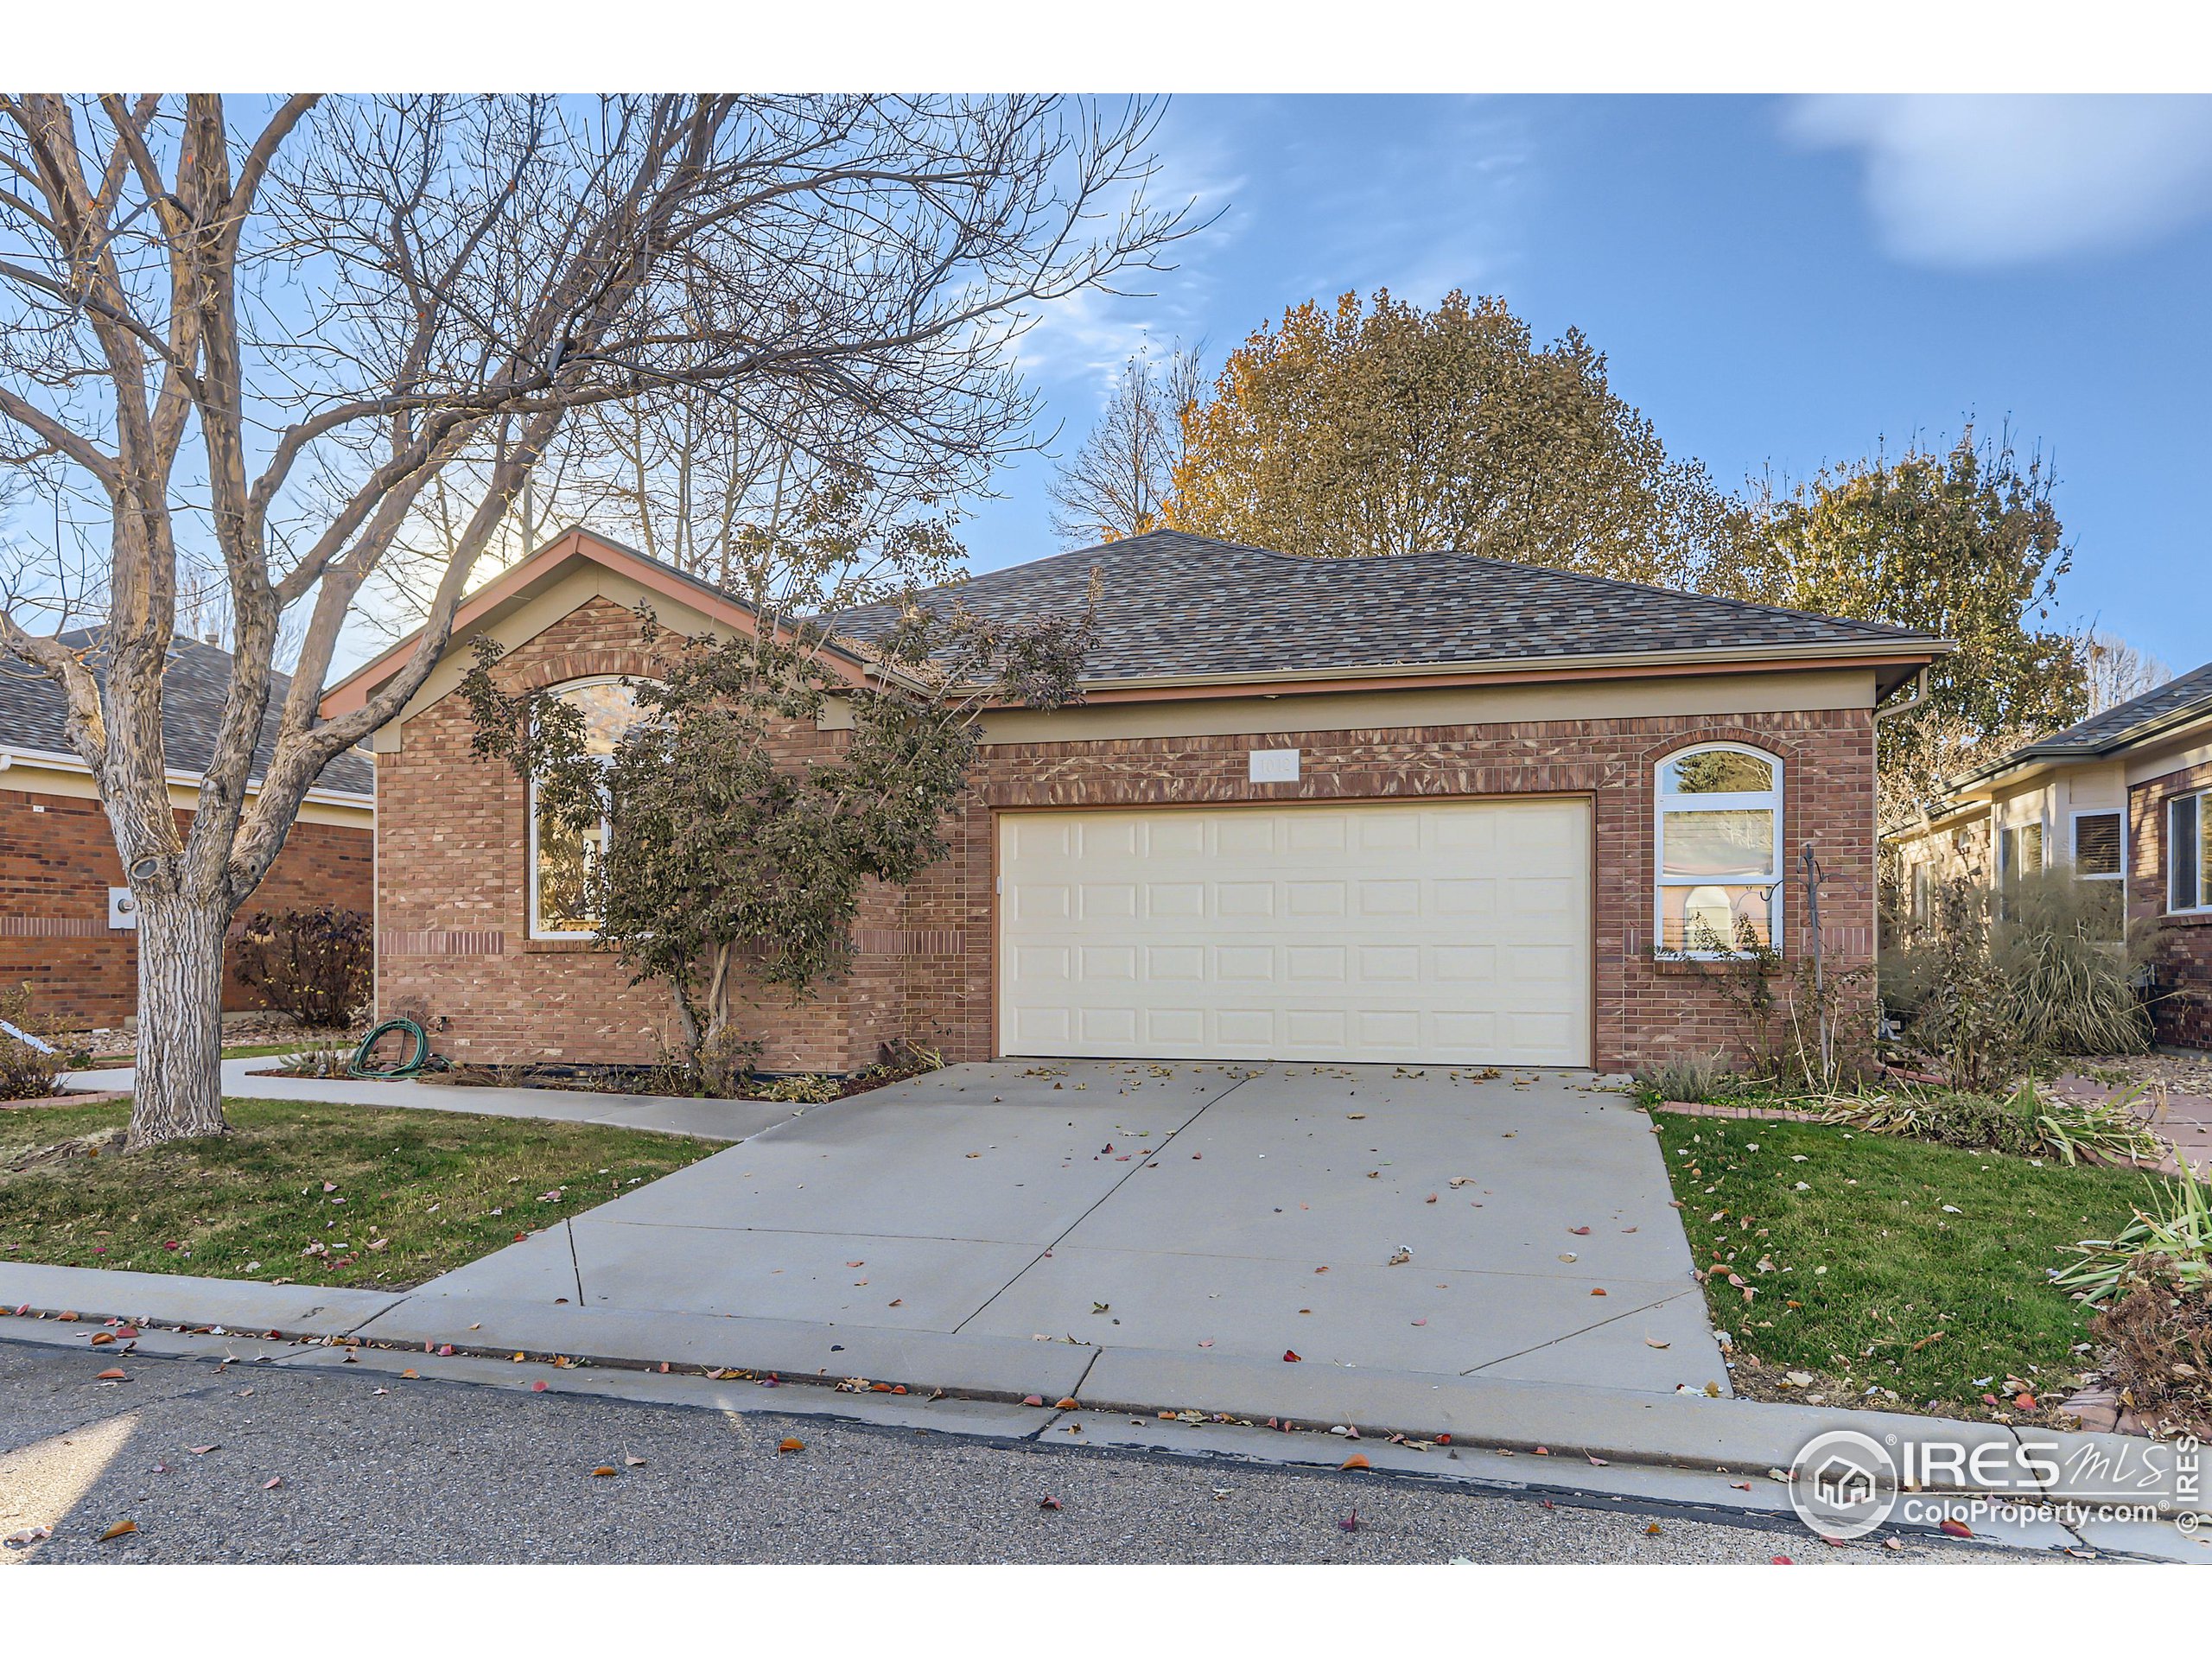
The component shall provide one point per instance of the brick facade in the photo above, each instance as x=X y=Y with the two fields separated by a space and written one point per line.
x=453 y=938
x=57 y=861
x=2181 y=946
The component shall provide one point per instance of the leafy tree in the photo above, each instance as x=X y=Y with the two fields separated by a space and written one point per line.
x=1118 y=480
x=1354 y=431
x=731 y=867
x=1966 y=544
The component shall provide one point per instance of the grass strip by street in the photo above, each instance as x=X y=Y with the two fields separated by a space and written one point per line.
x=314 y=1194
x=1899 y=1274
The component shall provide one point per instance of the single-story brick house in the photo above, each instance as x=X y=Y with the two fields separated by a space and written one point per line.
x=64 y=927
x=1429 y=808
x=2124 y=797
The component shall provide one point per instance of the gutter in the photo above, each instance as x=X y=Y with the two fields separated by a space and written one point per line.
x=58 y=761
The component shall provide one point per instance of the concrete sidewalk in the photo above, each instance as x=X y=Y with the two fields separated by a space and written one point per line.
x=709 y=1120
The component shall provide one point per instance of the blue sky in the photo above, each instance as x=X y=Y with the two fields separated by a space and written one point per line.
x=1776 y=282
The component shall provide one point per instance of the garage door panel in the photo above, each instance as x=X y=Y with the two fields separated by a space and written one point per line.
x=1256 y=933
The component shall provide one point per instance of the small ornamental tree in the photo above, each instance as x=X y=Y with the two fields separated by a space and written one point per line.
x=730 y=866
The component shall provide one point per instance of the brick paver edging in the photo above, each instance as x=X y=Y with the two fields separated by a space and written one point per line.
x=1758 y=1114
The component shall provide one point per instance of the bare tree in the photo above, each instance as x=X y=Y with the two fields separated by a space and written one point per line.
x=2118 y=671
x=269 y=345
x=1118 y=481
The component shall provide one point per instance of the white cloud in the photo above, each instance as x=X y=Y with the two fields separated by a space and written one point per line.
x=1998 y=180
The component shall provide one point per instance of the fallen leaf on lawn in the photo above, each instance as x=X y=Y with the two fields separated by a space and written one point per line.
x=2025 y=1402
x=272 y=1483
x=118 y=1530
x=605 y=1469
x=110 y=1376
x=791 y=1444
x=1357 y=1460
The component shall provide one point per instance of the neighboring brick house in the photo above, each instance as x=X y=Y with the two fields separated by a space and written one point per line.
x=61 y=930
x=1411 y=810
x=2124 y=796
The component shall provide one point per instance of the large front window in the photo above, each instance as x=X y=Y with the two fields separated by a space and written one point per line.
x=1720 y=851
x=562 y=862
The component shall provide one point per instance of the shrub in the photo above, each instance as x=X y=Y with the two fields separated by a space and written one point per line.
x=2029 y=1123
x=2175 y=1228
x=1688 y=1077
x=30 y=1066
x=804 y=1091
x=314 y=964
x=2157 y=1340
x=1986 y=988
x=316 y=1062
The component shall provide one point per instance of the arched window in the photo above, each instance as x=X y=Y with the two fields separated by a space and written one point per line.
x=561 y=860
x=1719 y=851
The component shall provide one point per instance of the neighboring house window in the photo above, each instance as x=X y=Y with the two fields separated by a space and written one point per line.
x=2097 y=839
x=1719 y=850
x=562 y=861
x=1923 y=892
x=2189 y=852
x=2019 y=852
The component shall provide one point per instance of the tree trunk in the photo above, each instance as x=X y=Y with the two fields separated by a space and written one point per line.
x=180 y=1089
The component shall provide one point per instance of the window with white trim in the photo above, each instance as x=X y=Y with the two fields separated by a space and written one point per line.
x=1719 y=851
x=1923 y=892
x=2099 y=838
x=2188 y=852
x=562 y=861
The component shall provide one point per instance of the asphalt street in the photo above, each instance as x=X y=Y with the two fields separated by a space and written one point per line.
x=263 y=1464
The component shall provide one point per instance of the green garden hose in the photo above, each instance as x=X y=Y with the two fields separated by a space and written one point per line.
x=418 y=1058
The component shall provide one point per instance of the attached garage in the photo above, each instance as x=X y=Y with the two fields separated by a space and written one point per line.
x=1449 y=932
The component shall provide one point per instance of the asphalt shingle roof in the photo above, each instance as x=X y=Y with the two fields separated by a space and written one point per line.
x=2178 y=698
x=1173 y=603
x=33 y=713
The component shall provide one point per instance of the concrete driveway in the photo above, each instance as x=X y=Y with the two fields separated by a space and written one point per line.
x=1197 y=1209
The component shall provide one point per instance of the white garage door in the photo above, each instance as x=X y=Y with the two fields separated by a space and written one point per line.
x=1456 y=933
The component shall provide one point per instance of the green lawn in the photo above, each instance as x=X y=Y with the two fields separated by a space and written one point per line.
x=1870 y=1278
x=443 y=1187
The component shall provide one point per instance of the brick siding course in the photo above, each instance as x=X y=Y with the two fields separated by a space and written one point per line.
x=2181 y=945
x=56 y=866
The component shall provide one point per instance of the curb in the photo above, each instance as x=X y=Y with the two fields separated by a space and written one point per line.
x=1683 y=1431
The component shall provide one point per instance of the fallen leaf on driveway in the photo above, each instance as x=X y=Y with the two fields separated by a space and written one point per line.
x=790 y=1444
x=1289 y=1357
x=272 y=1483
x=1654 y=1342
x=202 y=1451
x=1579 y=1232
x=604 y=1469
x=110 y=1376
x=1597 y=1290
x=1048 y=1502
x=1399 y=1257
x=635 y=1462
x=24 y=1537
x=118 y=1530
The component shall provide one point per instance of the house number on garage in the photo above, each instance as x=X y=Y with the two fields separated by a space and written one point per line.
x=1274 y=766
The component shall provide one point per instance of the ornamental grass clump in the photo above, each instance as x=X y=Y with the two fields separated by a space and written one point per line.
x=2032 y=1122
x=2169 y=1237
